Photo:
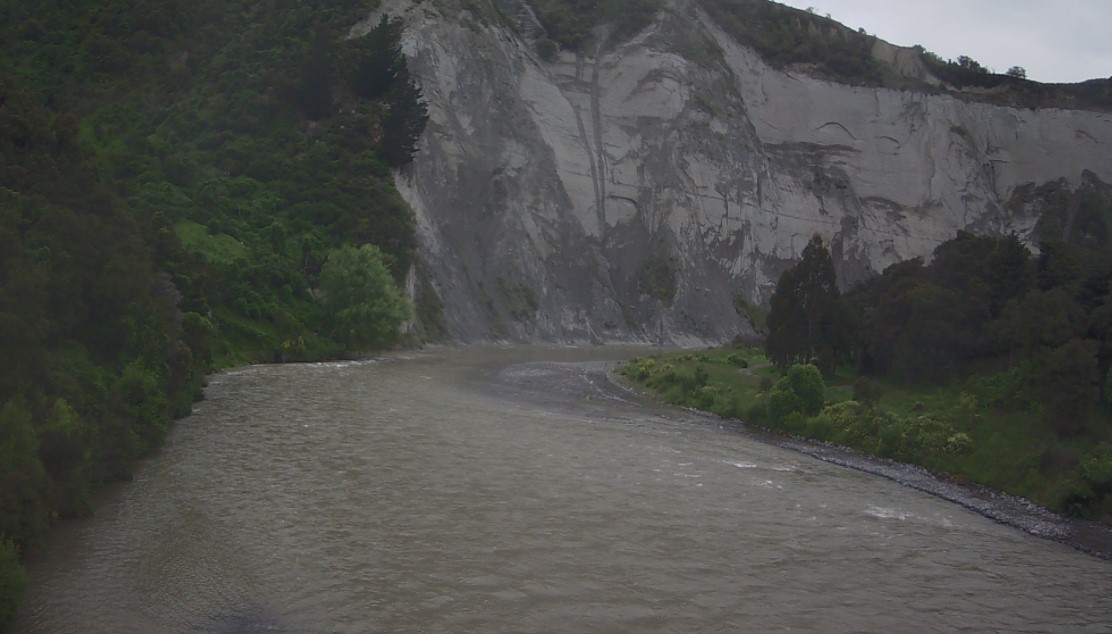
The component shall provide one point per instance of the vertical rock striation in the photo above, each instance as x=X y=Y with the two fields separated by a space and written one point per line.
x=637 y=193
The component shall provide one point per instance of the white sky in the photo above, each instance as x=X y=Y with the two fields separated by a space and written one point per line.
x=1054 y=40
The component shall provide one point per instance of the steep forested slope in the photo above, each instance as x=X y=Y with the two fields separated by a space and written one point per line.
x=174 y=179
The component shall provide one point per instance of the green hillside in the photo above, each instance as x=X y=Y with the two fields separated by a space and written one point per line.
x=176 y=178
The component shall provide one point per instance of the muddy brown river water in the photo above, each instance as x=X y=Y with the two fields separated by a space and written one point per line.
x=517 y=490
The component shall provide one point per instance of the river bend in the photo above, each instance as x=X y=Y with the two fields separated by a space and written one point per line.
x=514 y=490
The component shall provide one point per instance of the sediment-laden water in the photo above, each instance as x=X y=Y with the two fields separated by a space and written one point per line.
x=517 y=490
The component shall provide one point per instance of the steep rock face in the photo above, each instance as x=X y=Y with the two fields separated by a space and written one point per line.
x=635 y=194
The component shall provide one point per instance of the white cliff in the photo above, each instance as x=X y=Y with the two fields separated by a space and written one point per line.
x=632 y=195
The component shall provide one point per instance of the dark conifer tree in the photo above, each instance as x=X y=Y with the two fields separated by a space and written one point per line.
x=314 y=86
x=405 y=122
x=379 y=59
x=808 y=321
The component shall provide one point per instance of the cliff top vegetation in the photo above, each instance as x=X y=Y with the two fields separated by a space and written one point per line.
x=790 y=38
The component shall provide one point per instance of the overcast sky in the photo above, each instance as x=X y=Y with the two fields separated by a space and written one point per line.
x=1054 y=40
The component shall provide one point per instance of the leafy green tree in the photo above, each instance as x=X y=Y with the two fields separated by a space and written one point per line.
x=1068 y=384
x=968 y=63
x=800 y=391
x=24 y=321
x=808 y=321
x=961 y=266
x=1039 y=320
x=1009 y=272
x=934 y=336
x=314 y=86
x=806 y=381
x=363 y=307
x=881 y=315
x=24 y=511
x=65 y=449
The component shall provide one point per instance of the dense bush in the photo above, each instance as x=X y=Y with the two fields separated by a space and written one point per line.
x=785 y=36
x=175 y=176
x=363 y=306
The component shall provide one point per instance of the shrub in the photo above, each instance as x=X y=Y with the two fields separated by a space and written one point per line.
x=757 y=412
x=547 y=49
x=959 y=443
x=705 y=396
x=682 y=378
x=795 y=423
x=856 y=427
x=737 y=360
x=783 y=401
x=819 y=427
x=918 y=439
x=700 y=375
x=806 y=381
x=1091 y=494
x=1010 y=390
x=658 y=279
x=639 y=370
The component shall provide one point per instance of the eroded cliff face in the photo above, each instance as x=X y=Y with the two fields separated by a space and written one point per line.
x=636 y=194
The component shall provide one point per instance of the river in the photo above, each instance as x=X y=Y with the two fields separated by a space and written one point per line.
x=517 y=490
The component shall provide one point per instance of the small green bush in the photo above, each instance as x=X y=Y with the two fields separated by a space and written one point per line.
x=737 y=360
x=705 y=397
x=806 y=381
x=783 y=401
x=819 y=427
x=959 y=443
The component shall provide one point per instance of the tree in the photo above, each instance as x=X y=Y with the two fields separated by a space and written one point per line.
x=314 y=86
x=808 y=321
x=1009 y=272
x=405 y=122
x=806 y=381
x=935 y=334
x=968 y=63
x=1018 y=72
x=363 y=307
x=1068 y=384
x=24 y=512
x=1041 y=319
x=1059 y=264
x=881 y=314
x=379 y=58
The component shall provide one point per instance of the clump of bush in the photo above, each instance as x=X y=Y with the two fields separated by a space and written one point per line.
x=1089 y=493
x=737 y=360
x=795 y=404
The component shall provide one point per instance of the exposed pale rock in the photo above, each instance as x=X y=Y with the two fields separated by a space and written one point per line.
x=557 y=181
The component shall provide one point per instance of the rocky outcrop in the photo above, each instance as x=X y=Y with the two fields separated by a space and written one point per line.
x=640 y=193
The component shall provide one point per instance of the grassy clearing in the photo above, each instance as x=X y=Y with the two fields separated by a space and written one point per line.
x=218 y=249
x=960 y=429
